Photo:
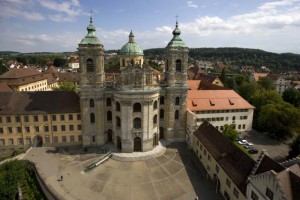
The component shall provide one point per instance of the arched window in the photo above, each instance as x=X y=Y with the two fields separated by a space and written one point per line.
x=178 y=65
x=137 y=107
x=155 y=105
x=123 y=62
x=162 y=100
x=161 y=113
x=118 y=106
x=155 y=120
x=177 y=114
x=89 y=65
x=137 y=123
x=92 y=118
x=108 y=102
x=177 y=101
x=108 y=116
x=92 y=103
x=118 y=121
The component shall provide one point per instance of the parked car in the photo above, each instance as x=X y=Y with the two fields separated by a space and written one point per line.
x=239 y=138
x=248 y=145
x=242 y=142
x=253 y=151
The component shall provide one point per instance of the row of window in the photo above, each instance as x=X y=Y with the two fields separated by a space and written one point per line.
x=109 y=103
x=220 y=119
x=30 y=88
x=37 y=129
x=37 y=118
x=221 y=111
x=28 y=141
x=228 y=182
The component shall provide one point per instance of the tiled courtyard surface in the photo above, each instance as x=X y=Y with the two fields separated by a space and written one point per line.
x=174 y=175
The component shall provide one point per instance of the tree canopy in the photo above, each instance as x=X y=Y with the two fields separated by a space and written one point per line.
x=230 y=132
x=60 y=62
x=248 y=89
x=66 y=86
x=292 y=96
x=273 y=115
x=294 y=148
x=14 y=174
x=266 y=83
x=278 y=119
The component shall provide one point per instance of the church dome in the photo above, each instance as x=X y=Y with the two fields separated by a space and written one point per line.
x=131 y=48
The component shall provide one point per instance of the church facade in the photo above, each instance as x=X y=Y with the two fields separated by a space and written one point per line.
x=132 y=109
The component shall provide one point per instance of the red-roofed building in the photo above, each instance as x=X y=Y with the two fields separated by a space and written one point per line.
x=219 y=107
x=24 y=79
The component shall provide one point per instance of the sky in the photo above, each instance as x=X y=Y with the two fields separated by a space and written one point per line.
x=59 y=25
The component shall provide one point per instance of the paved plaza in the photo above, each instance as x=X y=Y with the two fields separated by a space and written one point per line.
x=173 y=175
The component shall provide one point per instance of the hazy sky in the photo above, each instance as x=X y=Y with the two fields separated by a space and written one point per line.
x=59 y=25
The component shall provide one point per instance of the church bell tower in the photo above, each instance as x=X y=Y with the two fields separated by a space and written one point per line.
x=91 y=91
x=176 y=63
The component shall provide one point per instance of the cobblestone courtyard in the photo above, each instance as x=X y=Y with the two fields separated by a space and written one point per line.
x=173 y=175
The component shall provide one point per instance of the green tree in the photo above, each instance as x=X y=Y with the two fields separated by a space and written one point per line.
x=248 y=89
x=231 y=84
x=240 y=79
x=294 y=148
x=11 y=173
x=223 y=77
x=230 y=132
x=3 y=68
x=278 y=119
x=59 y=62
x=292 y=96
x=66 y=86
x=266 y=83
x=263 y=97
x=22 y=59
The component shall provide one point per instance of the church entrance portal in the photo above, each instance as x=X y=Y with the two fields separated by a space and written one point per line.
x=109 y=135
x=137 y=146
x=38 y=141
x=119 y=144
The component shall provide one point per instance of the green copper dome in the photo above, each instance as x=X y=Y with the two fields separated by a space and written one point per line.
x=131 y=48
x=176 y=40
x=90 y=38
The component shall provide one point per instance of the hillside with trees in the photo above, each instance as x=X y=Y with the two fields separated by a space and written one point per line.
x=240 y=56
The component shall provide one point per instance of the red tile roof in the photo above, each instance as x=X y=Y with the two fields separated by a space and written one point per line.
x=15 y=73
x=198 y=100
x=69 y=77
x=5 y=88
x=193 y=84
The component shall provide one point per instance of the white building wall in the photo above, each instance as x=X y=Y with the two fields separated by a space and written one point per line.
x=241 y=118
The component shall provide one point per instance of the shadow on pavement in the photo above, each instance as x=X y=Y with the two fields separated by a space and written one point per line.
x=204 y=187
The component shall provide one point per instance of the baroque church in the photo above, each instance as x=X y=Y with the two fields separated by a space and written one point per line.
x=133 y=109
